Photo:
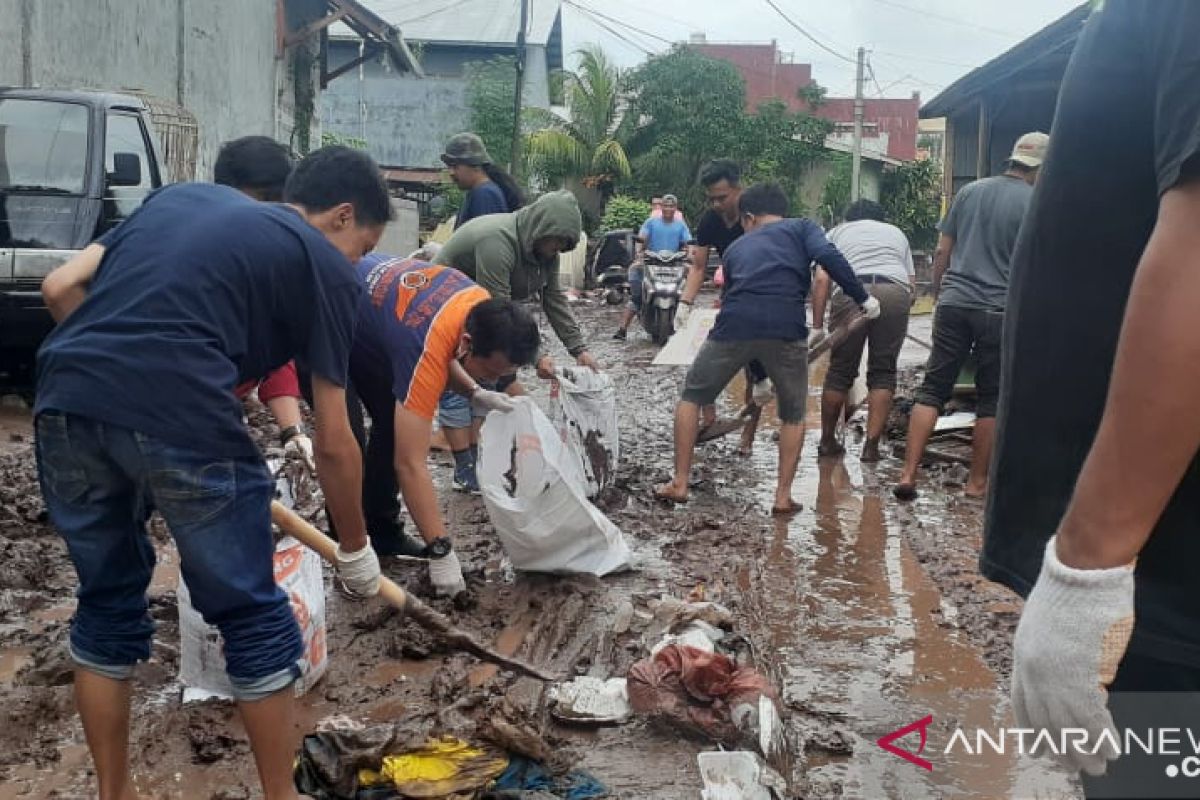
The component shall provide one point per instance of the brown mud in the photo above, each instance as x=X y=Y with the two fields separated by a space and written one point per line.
x=864 y=613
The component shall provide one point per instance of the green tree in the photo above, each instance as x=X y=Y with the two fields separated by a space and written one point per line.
x=624 y=212
x=585 y=146
x=490 y=88
x=911 y=195
x=779 y=145
x=685 y=109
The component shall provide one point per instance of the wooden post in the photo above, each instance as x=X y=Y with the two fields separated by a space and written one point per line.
x=983 y=166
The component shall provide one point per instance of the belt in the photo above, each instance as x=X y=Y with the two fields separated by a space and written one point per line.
x=880 y=279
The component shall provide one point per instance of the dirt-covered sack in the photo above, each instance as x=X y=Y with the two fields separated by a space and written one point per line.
x=201 y=651
x=534 y=492
x=583 y=408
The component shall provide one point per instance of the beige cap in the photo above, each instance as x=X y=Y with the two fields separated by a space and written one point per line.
x=1030 y=149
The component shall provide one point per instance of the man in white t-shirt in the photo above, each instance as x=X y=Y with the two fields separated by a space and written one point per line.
x=882 y=260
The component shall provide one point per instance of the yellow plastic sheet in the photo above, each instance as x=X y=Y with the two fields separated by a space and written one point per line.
x=442 y=767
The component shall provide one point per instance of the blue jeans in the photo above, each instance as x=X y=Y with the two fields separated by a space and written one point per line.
x=454 y=410
x=101 y=482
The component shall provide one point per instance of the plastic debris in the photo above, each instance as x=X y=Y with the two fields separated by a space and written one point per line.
x=591 y=700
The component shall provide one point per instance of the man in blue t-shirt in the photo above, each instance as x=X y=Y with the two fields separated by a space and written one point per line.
x=762 y=316
x=198 y=291
x=666 y=232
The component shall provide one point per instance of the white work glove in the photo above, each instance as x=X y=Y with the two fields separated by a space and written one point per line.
x=302 y=446
x=682 y=312
x=816 y=336
x=1073 y=633
x=762 y=392
x=359 y=571
x=871 y=307
x=446 y=575
x=487 y=400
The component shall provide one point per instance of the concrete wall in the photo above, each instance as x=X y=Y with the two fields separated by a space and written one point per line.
x=216 y=57
x=400 y=237
x=812 y=188
x=405 y=121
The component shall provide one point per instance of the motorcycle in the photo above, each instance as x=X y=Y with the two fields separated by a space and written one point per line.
x=610 y=267
x=665 y=273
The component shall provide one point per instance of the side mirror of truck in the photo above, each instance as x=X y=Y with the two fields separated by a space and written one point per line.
x=127 y=170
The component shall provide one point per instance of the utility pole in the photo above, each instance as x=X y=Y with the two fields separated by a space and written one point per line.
x=515 y=159
x=856 y=153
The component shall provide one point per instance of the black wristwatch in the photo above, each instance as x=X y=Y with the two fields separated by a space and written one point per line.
x=289 y=433
x=439 y=547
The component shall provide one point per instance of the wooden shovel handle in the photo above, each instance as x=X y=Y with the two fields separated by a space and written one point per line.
x=297 y=527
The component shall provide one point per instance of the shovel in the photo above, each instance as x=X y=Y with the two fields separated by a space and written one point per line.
x=295 y=526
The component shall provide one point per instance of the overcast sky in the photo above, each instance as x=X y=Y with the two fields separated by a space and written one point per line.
x=913 y=45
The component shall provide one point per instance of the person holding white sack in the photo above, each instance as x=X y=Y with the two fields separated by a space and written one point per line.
x=424 y=329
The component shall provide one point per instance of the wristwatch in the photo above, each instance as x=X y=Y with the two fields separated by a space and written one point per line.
x=289 y=433
x=439 y=547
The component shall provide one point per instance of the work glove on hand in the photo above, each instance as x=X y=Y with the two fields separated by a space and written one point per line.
x=1073 y=633
x=682 y=312
x=446 y=575
x=302 y=446
x=816 y=336
x=871 y=308
x=359 y=571
x=487 y=400
x=762 y=392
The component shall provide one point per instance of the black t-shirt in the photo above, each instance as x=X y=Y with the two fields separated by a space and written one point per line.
x=1127 y=129
x=712 y=231
x=201 y=289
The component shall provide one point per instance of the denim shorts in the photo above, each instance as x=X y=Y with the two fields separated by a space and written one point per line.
x=637 y=275
x=101 y=482
x=454 y=411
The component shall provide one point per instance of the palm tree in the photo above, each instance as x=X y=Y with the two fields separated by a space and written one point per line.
x=585 y=147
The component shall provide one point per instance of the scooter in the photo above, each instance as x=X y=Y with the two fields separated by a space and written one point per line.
x=610 y=267
x=665 y=273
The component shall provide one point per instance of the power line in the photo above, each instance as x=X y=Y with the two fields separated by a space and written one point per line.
x=620 y=36
x=951 y=20
x=806 y=34
x=595 y=13
x=433 y=13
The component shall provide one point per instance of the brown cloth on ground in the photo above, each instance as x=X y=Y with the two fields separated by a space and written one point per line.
x=697 y=691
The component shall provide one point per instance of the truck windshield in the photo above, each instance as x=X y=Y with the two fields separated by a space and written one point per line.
x=43 y=146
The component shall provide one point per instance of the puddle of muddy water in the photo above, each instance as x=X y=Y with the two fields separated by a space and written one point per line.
x=12 y=659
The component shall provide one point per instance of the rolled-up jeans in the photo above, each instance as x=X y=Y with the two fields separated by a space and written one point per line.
x=101 y=483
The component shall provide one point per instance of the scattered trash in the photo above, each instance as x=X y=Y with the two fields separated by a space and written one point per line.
x=697 y=634
x=738 y=775
x=583 y=408
x=958 y=421
x=706 y=694
x=546 y=523
x=591 y=700
x=528 y=780
x=671 y=615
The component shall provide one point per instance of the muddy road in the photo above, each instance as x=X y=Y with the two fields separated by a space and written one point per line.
x=867 y=616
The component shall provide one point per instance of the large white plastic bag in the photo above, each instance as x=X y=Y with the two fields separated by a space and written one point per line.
x=534 y=494
x=583 y=408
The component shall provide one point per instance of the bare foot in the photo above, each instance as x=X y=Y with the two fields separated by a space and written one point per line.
x=905 y=491
x=870 y=452
x=671 y=493
x=976 y=492
x=786 y=508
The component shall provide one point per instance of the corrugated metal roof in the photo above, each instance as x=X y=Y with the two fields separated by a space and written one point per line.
x=468 y=21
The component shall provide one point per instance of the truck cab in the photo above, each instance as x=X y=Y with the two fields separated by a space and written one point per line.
x=73 y=164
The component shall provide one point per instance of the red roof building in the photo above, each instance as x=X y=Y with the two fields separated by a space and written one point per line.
x=891 y=123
